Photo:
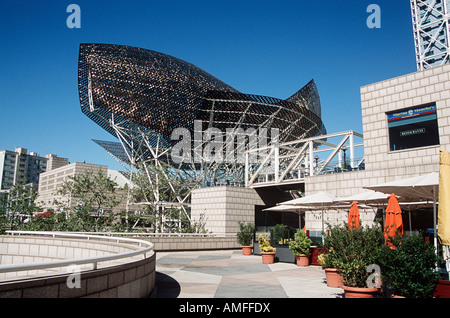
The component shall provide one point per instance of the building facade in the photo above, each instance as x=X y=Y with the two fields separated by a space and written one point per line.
x=221 y=209
x=53 y=161
x=406 y=121
x=19 y=165
x=52 y=180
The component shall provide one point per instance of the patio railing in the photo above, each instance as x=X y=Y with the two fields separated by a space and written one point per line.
x=145 y=248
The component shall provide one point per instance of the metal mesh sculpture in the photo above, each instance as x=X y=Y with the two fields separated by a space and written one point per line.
x=141 y=96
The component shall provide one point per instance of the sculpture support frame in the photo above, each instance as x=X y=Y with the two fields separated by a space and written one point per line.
x=141 y=97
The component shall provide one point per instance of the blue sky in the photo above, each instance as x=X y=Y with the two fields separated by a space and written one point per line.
x=270 y=48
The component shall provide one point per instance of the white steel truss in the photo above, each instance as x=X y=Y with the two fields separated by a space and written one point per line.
x=430 y=20
x=290 y=162
x=138 y=146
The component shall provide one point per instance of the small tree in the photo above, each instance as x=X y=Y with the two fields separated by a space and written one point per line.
x=264 y=244
x=353 y=250
x=19 y=204
x=301 y=244
x=409 y=269
x=86 y=195
x=246 y=234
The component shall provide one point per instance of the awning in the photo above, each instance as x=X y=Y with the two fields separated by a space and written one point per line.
x=421 y=188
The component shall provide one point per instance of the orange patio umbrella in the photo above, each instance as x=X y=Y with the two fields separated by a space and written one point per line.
x=353 y=215
x=393 y=223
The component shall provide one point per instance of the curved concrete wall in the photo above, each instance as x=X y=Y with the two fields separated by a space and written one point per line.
x=128 y=277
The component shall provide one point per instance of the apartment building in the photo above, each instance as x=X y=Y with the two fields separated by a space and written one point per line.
x=51 y=180
x=19 y=165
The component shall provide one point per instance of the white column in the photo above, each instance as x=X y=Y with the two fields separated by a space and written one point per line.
x=311 y=158
x=277 y=161
x=352 y=151
x=246 y=169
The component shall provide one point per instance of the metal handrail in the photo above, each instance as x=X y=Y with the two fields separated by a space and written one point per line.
x=79 y=261
x=174 y=234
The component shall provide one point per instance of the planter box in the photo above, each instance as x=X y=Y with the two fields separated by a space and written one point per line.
x=315 y=252
x=283 y=253
x=256 y=250
x=442 y=289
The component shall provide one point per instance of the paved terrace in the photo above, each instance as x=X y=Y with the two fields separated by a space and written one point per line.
x=229 y=274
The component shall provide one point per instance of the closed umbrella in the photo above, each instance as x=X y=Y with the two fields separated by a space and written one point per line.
x=393 y=224
x=444 y=199
x=353 y=215
x=444 y=206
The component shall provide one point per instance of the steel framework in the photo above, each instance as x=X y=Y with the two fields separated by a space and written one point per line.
x=290 y=162
x=141 y=97
x=430 y=20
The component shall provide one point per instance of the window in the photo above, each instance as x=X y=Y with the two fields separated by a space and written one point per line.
x=413 y=127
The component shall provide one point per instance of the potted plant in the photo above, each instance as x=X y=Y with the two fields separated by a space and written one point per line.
x=331 y=260
x=245 y=237
x=409 y=268
x=300 y=247
x=330 y=263
x=357 y=249
x=267 y=251
x=280 y=236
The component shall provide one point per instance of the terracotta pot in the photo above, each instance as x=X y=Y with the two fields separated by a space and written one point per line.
x=302 y=260
x=397 y=296
x=268 y=257
x=359 y=292
x=247 y=250
x=334 y=279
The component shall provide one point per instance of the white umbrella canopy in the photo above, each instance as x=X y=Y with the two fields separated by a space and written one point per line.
x=319 y=198
x=424 y=187
x=287 y=208
x=421 y=188
x=367 y=197
x=302 y=208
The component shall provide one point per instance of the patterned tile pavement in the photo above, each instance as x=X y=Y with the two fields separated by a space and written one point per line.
x=229 y=274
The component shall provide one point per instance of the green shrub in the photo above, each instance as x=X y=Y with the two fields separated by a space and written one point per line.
x=352 y=250
x=301 y=244
x=409 y=269
x=264 y=244
x=246 y=234
x=282 y=234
